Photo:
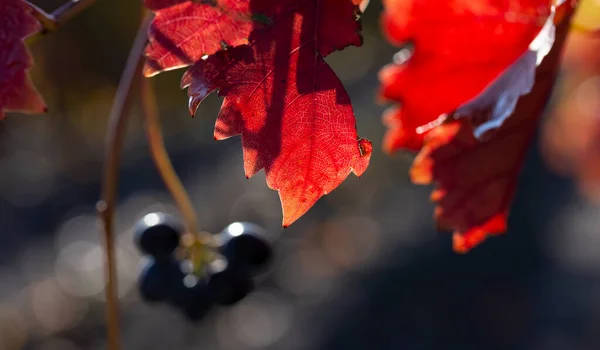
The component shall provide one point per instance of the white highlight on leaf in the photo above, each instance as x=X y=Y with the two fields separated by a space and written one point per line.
x=542 y=44
x=403 y=55
x=439 y=121
x=499 y=99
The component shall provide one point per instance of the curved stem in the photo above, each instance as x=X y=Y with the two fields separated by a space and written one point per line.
x=114 y=141
x=198 y=245
x=161 y=158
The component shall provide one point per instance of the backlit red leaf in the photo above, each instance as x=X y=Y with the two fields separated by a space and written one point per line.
x=476 y=179
x=460 y=47
x=17 y=92
x=293 y=113
x=183 y=31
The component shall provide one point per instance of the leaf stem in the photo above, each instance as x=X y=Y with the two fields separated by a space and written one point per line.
x=114 y=141
x=52 y=21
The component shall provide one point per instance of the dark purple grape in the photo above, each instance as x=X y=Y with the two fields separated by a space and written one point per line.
x=230 y=285
x=244 y=243
x=158 y=234
x=157 y=278
x=191 y=296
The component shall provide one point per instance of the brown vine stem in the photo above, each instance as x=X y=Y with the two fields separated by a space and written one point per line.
x=52 y=21
x=115 y=135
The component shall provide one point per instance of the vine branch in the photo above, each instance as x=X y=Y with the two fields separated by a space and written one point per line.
x=116 y=129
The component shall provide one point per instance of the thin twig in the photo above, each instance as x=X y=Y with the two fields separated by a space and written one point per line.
x=161 y=157
x=52 y=21
x=114 y=141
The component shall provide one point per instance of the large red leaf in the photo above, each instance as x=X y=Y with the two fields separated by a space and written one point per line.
x=476 y=179
x=460 y=47
x=292 y=111
x=183 y=31
x=17 y=92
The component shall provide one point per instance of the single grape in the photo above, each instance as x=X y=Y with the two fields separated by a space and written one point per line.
x=230 y=285
x=158 y=234
x=156 y=279
x=192 y=297
x=197 y=308
x=244 y=243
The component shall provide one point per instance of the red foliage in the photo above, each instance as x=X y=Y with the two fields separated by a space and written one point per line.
x=476 y=179
x=184 y=31
x=292 y=111
x=17 y=92
x=460 y=47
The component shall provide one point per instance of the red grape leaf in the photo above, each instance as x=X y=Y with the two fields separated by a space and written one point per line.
x=293 y=113
x=17 y=92
x=460 y=47
x=476 y=179
x=183 y=31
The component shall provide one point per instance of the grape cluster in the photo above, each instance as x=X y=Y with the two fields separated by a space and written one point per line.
x=167 y=278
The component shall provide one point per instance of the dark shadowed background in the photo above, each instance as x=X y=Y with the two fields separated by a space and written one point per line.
x=364 y=269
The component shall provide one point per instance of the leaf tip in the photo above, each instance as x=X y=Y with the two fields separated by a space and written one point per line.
x=292 y=210
x=421 y=172
x=149 y=71
x=463 y=243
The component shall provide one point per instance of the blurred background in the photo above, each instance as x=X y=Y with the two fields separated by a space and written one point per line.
x=364 y=269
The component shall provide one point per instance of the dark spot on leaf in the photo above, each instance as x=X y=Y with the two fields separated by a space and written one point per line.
x=262 y=18
x=207 y=2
